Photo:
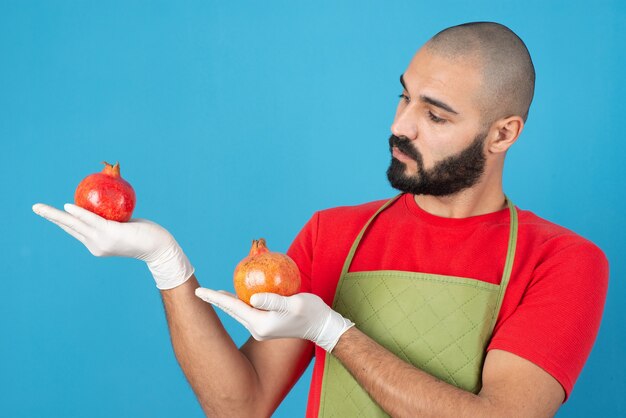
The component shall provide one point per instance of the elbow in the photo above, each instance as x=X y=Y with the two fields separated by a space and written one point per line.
x=229 y=404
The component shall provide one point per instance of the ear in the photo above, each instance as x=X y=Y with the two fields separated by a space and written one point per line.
x=503 y=133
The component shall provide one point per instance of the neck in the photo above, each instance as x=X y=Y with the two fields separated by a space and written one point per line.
x=484 y=197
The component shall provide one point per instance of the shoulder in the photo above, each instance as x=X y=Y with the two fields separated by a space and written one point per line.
x=335 y=228
x=563 y=262
x=327 y=236
x=555 y=239
x=336 y=223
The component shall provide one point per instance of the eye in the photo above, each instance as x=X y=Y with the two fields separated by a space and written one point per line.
x=405 y=97
x=434 y=118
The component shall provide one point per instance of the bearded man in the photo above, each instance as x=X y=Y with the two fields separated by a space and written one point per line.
x=443 y=301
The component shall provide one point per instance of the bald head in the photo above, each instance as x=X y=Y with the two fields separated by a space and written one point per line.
x=508 y=74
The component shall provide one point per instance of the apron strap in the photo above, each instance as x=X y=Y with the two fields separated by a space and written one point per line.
x=355 y=244
x=510 y=258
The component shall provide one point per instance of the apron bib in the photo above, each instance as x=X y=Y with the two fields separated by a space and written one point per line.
x=439 y=324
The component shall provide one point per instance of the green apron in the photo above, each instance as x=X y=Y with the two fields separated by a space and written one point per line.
x=439 y=324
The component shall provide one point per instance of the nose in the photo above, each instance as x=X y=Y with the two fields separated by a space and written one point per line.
x=405 y=123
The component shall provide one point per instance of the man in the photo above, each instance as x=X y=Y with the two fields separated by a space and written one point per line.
x=444 y=301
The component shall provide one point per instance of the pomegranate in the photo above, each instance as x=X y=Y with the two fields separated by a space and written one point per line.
x=106 y=194
x=266 y=271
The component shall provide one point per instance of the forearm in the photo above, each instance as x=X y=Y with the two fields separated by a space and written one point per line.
x=401 y=389
x=217 y=371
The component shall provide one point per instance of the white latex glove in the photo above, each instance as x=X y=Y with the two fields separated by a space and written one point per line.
x=137 y=238
x=303 y=315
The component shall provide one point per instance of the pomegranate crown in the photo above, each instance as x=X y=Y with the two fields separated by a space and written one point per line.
x=111 y=170
x=258 y=247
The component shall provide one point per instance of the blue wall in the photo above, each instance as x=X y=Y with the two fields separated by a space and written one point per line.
x=235 y=120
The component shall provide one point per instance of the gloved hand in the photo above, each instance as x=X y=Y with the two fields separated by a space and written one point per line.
x=138 y=238
x=303 y=315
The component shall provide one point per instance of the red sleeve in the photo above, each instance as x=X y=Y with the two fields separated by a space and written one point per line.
x=301 y=251
x=557 y=321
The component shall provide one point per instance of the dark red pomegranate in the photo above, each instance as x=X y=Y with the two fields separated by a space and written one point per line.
x=107 y=194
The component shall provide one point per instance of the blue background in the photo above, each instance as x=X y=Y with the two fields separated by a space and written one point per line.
x=236 y=120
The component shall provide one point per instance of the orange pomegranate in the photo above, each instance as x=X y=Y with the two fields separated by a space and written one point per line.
x=266 y=271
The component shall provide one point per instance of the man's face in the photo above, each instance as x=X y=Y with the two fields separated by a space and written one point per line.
x=438 y=136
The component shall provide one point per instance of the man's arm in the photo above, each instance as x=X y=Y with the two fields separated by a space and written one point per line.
x=512 y=386
x=227 y=381
x=250 y=381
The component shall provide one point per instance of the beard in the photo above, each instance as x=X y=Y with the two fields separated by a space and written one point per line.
x=447 y=177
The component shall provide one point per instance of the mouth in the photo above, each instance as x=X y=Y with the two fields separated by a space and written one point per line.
x=400 y=156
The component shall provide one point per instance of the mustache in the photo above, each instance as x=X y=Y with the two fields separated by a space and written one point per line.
x=404 y=145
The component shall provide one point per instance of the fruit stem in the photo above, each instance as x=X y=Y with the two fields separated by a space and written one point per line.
x=111 y=170
x=258 y=247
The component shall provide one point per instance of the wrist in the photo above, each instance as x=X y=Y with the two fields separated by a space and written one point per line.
x=334 y=327
x=170 y=268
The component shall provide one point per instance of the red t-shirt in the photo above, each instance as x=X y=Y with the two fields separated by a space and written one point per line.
x=553 y=304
